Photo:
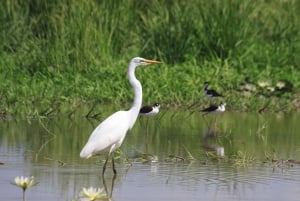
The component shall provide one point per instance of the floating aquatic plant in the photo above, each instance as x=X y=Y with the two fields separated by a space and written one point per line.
x=242 y=158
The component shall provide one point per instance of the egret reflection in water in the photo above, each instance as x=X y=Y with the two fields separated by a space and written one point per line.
x=109 y=193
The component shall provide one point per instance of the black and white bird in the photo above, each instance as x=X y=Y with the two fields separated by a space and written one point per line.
x=150 y=110
x=211 y=93
x=215 y=108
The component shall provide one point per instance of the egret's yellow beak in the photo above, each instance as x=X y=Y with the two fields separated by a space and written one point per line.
x=152 y=61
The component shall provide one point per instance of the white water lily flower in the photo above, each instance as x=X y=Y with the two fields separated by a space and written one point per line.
x=24 y=182
x=93 y=193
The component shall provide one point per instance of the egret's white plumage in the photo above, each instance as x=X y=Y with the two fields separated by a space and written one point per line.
x=110 y=134
x=102 y=137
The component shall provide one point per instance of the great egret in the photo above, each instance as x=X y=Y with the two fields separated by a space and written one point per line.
x=215 y=108
x=150 y=110
x=110 y=134
x=210 y=93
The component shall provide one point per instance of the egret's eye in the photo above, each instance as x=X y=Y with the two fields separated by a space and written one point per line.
x=139 y=60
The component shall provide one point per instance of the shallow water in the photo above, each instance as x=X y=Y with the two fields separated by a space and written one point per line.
x=170 y=161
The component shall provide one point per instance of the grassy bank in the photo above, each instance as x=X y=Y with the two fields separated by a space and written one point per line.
x=65 y=54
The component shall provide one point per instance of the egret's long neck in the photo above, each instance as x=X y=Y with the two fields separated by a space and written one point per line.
x=137 y=90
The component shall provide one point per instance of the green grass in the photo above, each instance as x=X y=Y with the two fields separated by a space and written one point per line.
x=63 y=54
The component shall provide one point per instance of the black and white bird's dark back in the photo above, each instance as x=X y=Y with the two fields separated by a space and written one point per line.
x=215 y=108
x=211 y=93
x=150 y=110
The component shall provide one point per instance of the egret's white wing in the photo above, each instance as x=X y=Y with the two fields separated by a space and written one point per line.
x=110 y=132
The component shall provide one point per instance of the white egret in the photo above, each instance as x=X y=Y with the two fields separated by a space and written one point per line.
x=109 y=135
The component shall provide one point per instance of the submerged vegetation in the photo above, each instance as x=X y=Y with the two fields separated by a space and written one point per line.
x=58 y=55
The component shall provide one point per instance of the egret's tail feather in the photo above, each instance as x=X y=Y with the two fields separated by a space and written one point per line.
x=86 y=152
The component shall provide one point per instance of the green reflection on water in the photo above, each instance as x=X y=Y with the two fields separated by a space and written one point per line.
x=177 y=133
x=49 y=149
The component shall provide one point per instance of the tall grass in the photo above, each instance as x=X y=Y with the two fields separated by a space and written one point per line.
x=55 y=52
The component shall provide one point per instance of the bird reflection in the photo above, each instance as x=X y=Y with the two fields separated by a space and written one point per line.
x=109 y=194
x=212 y=133
x=213 y=109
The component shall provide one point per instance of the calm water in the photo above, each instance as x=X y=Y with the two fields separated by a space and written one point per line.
x=257 y=159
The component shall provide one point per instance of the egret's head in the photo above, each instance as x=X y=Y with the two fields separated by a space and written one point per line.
x=141 y=61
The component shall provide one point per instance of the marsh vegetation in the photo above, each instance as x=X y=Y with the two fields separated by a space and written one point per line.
x=58 y=55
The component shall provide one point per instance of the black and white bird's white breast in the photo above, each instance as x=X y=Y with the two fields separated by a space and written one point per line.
x=150 y=110
x=215 y=108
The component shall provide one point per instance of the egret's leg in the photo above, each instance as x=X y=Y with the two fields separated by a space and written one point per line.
x=104 y=184
x=112 y=185
x=113 y=164
x=104 y=166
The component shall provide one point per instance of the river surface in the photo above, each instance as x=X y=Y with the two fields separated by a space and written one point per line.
x=176 y=155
